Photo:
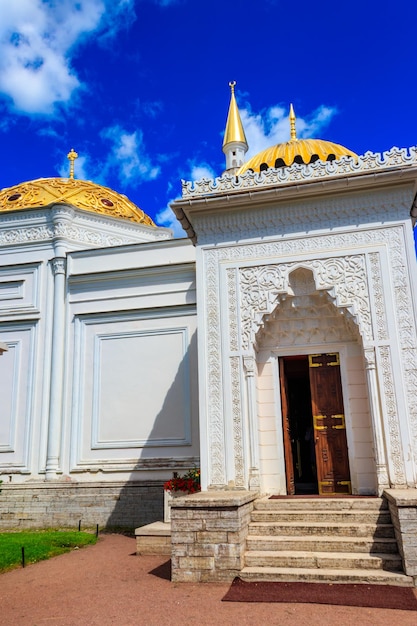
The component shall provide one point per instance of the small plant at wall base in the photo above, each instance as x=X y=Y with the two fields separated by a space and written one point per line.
x=189 y=482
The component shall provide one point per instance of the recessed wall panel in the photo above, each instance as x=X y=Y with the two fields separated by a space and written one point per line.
x=19 y=289
x=140 y=387
x=134 y=401
x=16 y=395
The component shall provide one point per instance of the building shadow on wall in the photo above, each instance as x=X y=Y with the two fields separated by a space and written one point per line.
x=141 y=498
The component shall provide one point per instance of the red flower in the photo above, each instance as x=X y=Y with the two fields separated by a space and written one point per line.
x=189 y=483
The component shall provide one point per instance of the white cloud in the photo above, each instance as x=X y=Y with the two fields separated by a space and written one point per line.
x=272 y=126
x=197 y=172
x=125 y=158
x=167 y=218
x=128 y=156
x=37 y=39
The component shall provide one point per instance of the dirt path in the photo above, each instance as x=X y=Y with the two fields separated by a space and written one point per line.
x=107 y=584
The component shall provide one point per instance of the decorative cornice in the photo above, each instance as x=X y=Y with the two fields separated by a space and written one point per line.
x=83 y=229
x=370 y=162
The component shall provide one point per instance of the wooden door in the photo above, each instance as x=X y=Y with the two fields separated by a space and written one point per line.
x=289 y=465
x=332 y=461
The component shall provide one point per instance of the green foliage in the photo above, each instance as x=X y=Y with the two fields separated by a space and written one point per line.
x=39 y=545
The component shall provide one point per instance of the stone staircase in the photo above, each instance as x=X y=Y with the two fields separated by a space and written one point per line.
x=336 y=540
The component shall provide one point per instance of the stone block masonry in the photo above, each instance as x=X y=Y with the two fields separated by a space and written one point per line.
x=53 y=505
x=208 y=535
x=403 y=509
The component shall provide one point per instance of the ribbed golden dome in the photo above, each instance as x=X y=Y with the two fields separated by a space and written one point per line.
x=295 y=151
x=298 y=150
x=81 y=194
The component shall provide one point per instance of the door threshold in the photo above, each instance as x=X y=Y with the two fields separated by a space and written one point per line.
x=319 y=495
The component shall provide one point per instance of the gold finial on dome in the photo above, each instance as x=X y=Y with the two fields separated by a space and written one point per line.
x=71 y=156
x=232 y=85
x=293 y=132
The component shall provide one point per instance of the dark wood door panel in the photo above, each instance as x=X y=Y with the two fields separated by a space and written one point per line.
x=329 y=424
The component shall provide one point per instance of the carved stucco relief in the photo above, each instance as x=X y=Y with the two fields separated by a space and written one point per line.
x=353 y=296
x=343 y=278
x=392 y=413
x=378 y=297
x=237 y=410
x=15 y=229
x=408 y=332
x=237 y=415
x=293 y=215
x=214 y=374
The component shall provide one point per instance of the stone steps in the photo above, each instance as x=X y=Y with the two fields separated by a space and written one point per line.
x=341 y=529
x=323 y=540
x=323 y=543
x=322 y=504
x=298 y=574
x=322 y=560
x=346 y=516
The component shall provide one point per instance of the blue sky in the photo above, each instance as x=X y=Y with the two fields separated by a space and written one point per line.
x=139 y=88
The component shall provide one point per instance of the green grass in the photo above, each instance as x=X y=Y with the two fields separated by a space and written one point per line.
x=39 y=545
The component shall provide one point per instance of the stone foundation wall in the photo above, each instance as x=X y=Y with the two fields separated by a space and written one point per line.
x=208 y=535
x=403 y=509
x=52 y=505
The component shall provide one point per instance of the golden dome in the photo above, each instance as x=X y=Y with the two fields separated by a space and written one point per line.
x=81 y=194
x=295 y=151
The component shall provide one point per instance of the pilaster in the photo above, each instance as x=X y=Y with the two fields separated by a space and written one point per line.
x=58 y=265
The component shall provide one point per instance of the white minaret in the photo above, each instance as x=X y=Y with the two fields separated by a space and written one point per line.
x=235 y=145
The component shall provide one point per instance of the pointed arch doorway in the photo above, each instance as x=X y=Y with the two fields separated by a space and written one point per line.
x=314 y=429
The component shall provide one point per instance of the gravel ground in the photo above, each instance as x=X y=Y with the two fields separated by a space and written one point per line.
x=107 y=584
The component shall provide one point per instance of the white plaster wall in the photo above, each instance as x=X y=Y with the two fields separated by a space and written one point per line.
x=25 y=323
x=17 y=396
x=358 y=422
x=131 y=397
x=136 y=354
x=354 y=234
x=271 y=450
x=134 y=399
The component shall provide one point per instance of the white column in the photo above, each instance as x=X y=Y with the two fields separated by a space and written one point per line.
x=57 y=369
x=249 y=366
x=376 y=419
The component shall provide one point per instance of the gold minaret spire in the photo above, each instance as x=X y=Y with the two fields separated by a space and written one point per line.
x=234 y=129
x=293 y=132
x=71 y=156
x=235 y=145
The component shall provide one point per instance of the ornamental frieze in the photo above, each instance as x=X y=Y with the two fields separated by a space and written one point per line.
x=369 y=162
x=343 y=278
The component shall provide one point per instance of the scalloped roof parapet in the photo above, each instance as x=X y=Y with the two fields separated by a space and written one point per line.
x=296 y=173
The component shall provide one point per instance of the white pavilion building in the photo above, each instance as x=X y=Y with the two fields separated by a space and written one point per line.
x=294 y=297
